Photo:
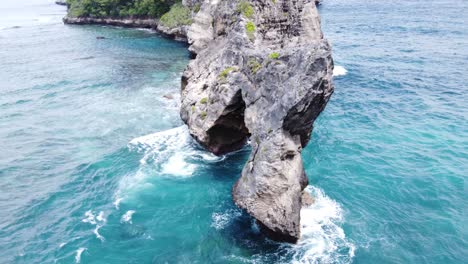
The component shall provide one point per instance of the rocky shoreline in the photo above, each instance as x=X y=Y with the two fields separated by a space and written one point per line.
x=178 y=33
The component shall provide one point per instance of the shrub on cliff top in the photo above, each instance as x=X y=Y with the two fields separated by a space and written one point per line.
x=178 y=15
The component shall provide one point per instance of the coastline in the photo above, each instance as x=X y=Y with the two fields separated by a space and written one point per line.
x=177 y=33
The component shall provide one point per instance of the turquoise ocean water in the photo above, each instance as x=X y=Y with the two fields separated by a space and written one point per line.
x=96 y=167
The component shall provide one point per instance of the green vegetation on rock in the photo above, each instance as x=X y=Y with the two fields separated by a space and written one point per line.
x=178 y=15
x=196 y=8
x=119 y=8
x=204 y=100
x=250 y=28
x=254 y=65
x=225 y=72
x=246 y=9
x=274 y=55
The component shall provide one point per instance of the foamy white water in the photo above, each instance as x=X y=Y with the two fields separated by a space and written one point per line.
x=98 y=221
x=101 y=217
x=127 y=217
x=78 y=254
x=167 y=153
x=323 y=239
x=339 y=71
x=176 y=165
x=96 y=232
x=160 y=146
x=117 y=203
x=89 y=218
x=222 y=219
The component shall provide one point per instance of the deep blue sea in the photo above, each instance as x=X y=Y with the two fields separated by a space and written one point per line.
x=96 y=166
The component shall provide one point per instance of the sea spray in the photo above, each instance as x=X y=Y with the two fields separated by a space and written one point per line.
x=339 y=71
x=323 y=239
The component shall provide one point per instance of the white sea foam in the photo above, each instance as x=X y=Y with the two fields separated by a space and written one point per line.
x=98 y=221
x=101 y=217
x=339 y=71
x=78 y=254
x=166 y=153
x=323 y=240
x=127 y=217
x=62 y=244
x=96 y=232
x=160 y=146
x=176 y=165
x=89 y=218
x=221 y=220
x=173 y=147
x=117 y=202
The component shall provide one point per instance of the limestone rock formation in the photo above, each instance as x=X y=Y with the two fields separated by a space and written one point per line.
x=263 y=71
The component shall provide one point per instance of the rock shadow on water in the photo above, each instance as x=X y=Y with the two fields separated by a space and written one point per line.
x=237 y=238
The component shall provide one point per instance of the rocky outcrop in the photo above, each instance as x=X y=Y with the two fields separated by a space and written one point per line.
x=177 y=33
x=262 y=72
x=61 y=2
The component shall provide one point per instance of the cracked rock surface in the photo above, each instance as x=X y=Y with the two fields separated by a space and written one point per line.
x=262 y=71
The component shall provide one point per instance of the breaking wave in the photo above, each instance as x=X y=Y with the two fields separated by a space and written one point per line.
x=173 y=149
x=170 y=153
x=323 y=239
x=339 y=71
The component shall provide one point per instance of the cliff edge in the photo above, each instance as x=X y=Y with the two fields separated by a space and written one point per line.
x=263 y=71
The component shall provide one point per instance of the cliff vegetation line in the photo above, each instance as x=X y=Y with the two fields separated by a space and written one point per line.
x=127 y=9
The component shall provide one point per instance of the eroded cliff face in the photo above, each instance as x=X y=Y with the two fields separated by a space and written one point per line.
x=263 y=71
